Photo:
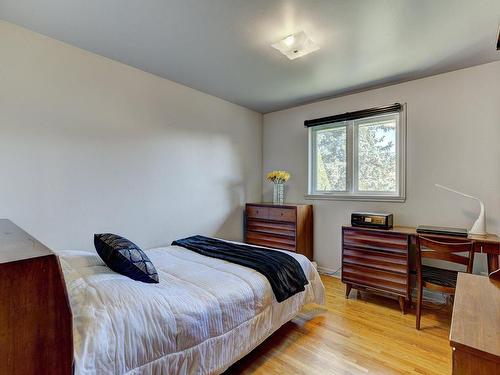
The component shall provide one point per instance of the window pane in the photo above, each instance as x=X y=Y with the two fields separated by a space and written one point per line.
x=377 y=156
x=331 y=159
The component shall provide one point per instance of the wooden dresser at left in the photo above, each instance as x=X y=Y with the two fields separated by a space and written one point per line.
x=35 y=316
x=288 y=227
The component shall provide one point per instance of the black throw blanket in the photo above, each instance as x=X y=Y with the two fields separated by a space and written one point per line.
x=282 y=270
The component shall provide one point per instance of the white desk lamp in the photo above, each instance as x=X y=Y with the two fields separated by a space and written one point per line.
x=479 y=226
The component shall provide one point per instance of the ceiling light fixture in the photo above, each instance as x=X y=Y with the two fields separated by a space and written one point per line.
x=289 y=40
x=295 y=45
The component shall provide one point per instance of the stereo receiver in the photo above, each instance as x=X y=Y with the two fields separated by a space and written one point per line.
x=372 y=220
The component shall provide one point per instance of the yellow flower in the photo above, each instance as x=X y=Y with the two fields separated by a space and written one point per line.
x=278 y=177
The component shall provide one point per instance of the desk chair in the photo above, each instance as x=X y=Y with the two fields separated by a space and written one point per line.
x=452 y=250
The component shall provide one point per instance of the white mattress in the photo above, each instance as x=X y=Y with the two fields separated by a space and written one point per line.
x=204 y=315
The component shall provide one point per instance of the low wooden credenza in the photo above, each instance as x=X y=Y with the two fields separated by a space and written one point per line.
x=475 y=326
x=288 y=227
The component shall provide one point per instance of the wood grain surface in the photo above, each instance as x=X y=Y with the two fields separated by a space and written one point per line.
x=475 y=327
x=365 y=334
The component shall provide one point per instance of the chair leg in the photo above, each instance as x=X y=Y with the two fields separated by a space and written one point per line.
x=419 y=305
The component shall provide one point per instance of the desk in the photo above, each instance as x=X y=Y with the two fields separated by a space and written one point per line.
x=475 y=326
x=381 y=259
x=489 y=244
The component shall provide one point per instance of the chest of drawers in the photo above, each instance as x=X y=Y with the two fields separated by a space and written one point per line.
x=377 y=260
x=288 y=227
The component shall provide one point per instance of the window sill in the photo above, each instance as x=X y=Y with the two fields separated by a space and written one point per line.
x=358 y=198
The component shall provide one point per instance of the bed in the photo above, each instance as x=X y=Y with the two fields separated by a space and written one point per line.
x=204 y=315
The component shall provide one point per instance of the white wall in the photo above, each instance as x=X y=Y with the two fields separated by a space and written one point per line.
x=453 y=131
x=91 y=145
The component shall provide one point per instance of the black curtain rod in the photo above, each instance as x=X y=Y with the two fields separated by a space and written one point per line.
x=354 y=115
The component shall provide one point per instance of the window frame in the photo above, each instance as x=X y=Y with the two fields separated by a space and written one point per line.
x=352 y=193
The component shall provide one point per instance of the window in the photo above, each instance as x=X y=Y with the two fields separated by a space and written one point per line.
x=361 y=159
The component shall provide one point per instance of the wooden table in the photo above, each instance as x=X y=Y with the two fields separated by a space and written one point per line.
x=489 y=244
x=382 y=260
x=475 y=326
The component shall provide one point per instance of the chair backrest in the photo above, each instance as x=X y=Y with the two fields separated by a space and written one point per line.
x=454 y=250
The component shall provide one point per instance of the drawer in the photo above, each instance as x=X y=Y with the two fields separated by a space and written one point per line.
x=383 y=241
x=270 y=227
x=270 y=241
x=282 y=214
x=257 y=212
x=381 y=280
x=375 y=259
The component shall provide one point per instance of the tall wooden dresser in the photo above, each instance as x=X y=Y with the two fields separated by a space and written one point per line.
x=36 y=335
x=288 y=227
x=377 y=260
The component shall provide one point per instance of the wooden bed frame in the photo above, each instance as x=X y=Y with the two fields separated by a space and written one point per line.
x=35 y=316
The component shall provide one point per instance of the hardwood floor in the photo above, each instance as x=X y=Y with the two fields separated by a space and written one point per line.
x=365 y=334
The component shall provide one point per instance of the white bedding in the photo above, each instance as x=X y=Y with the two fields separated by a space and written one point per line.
x=204 y=315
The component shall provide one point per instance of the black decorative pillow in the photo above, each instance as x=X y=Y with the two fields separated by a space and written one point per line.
x=125 y=257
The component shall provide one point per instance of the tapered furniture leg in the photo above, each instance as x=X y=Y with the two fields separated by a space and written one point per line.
x=348 y=288
x=402 y=305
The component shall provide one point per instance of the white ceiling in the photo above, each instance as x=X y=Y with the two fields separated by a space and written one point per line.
x=222 y=47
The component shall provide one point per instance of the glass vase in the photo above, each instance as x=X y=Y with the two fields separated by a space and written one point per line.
x=278 y=193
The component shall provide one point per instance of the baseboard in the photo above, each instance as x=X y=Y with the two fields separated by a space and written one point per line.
x=329 y=271
x=428 y=294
